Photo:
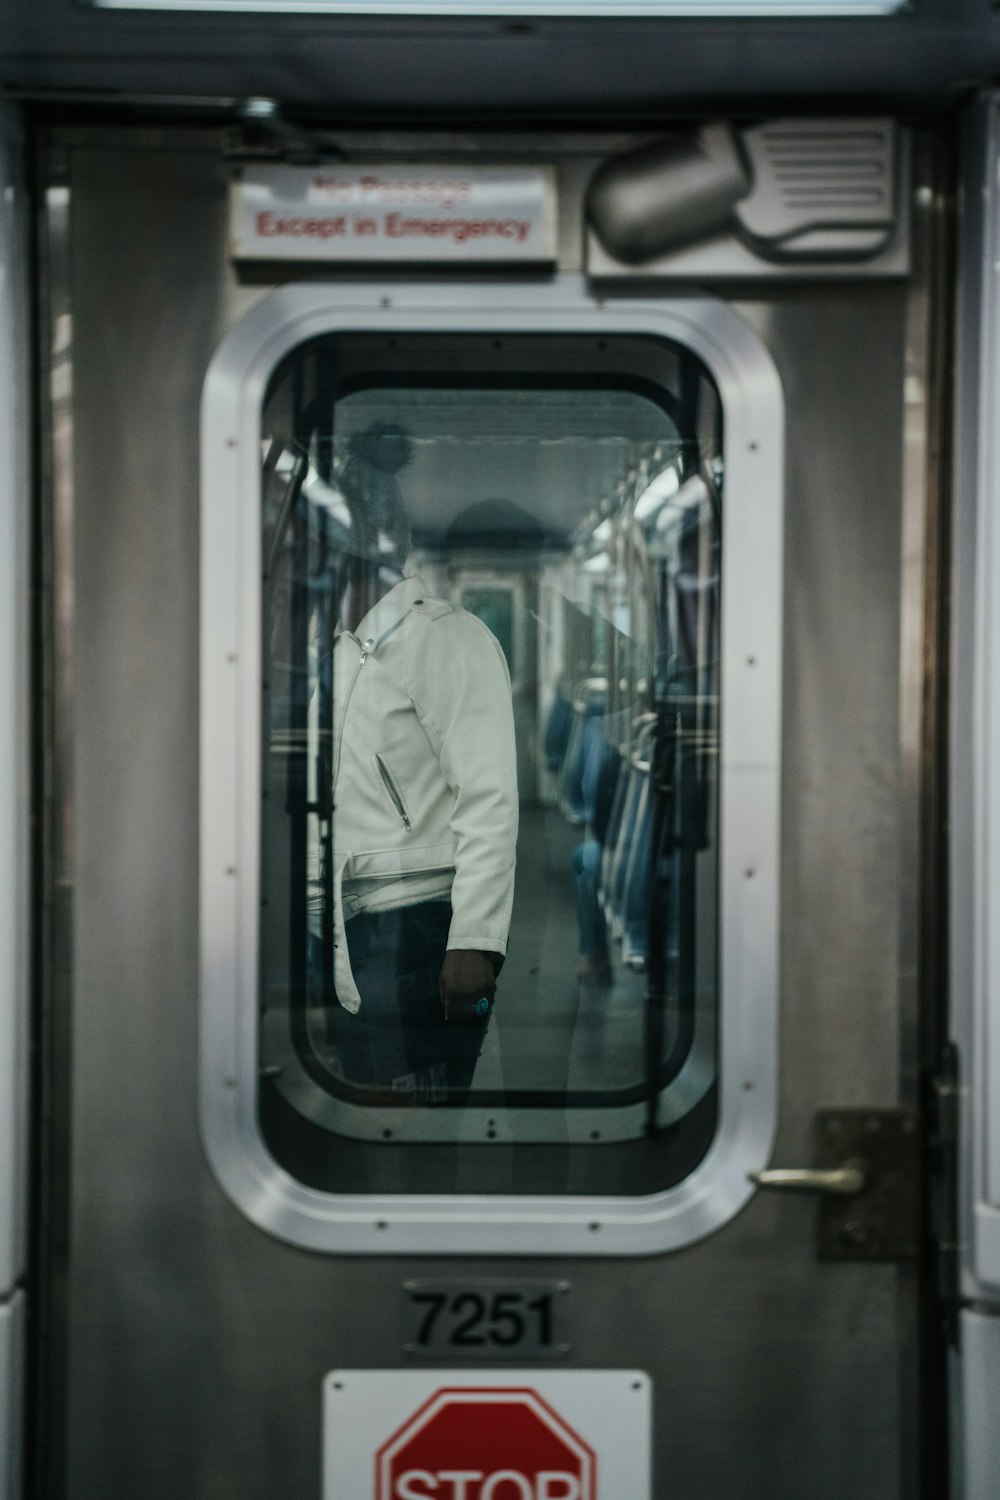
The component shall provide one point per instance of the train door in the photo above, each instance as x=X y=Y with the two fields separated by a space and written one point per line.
x=631 y=581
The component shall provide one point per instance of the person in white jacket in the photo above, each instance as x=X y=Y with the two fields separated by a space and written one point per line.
x=425 y=815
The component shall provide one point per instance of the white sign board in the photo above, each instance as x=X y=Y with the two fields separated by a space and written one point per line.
x=486 y=1435
x=421 y=213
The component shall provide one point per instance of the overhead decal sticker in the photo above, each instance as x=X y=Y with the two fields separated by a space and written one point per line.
x=393 y=213
x=486 y=1435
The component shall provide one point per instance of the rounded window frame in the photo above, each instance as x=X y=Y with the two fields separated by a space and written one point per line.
x=753 y=443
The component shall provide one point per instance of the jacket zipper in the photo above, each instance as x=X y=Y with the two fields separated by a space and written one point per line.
x=366 y=651
x=392 y=791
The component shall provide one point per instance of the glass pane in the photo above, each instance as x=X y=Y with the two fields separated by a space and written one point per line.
x=490 y=732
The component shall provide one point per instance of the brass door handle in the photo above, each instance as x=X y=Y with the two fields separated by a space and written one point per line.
x=845 y=1180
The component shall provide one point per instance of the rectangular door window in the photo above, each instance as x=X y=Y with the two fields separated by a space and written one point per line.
x=490 y=728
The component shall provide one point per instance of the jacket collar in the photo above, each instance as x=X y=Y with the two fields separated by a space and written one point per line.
x=390 y=610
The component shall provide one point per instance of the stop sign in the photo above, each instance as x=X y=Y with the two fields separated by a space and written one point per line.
x=470 y=1443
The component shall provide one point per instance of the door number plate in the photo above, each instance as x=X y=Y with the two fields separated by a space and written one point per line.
x=485 y=1321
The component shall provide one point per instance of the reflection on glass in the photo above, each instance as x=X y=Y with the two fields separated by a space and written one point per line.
x=490 y=721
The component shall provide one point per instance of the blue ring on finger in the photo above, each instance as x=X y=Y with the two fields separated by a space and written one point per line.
x=483 y=1007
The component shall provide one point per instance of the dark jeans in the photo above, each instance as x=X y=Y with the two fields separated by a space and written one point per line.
x=399 y=1040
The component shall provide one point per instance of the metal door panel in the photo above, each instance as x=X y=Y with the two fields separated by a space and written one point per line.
x=195 y=1344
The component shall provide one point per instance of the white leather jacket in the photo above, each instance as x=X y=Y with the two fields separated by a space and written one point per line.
x=424 y=774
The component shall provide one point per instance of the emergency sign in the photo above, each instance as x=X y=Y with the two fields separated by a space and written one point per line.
x=383 y=213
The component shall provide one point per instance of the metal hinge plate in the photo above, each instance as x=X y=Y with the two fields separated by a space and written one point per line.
x=882 y=1221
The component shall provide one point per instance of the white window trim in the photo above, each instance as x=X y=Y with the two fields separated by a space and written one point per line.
x=753 y=435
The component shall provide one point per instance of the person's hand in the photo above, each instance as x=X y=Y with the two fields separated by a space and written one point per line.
x=466 y=980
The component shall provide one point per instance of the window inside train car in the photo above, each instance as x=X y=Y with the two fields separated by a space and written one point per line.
x=490 y=749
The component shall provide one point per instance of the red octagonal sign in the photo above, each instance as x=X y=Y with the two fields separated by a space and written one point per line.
x=473 y=1443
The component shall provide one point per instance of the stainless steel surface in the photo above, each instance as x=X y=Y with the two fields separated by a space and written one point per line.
x=974 y=373
x=843 y=1181
x=197 y=1344
x=923 y=811
x=15 y=420
x=922 y=601
x=12 y=1354
x=230 y=782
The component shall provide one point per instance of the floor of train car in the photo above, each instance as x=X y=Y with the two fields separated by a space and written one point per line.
x=553 y=1030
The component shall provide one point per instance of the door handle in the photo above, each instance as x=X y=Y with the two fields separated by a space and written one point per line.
x=843 y=1181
